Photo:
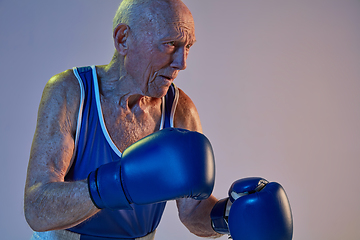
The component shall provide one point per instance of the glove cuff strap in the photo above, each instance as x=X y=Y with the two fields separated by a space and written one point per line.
x=93 y=190
x=106 y=189
x=219 y=219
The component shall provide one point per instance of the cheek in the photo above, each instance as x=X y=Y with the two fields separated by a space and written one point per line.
x=144 y=62
x=162 y=59
x=137 y=62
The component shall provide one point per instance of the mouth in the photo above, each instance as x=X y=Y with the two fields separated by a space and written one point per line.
x=167 y=78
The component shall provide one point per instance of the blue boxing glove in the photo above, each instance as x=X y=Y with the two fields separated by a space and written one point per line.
x=166 y=165
x=255 y=209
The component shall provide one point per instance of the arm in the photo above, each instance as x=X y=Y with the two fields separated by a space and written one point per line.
x=51 y=203
x=194 y=214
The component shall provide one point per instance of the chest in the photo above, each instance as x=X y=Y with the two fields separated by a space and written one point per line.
x=127 y=127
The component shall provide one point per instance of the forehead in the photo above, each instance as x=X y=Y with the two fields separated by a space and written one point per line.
x=171 y=20
x=176 y=29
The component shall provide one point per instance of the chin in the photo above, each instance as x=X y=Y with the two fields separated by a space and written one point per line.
x=160 y=92
x=160 y=95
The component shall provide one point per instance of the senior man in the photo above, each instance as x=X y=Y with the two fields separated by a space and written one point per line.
x=113 y=143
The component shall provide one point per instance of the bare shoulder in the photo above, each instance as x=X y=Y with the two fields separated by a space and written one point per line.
x=62 y=86
x=60 y=95
x=66 y=77
x=186 y=115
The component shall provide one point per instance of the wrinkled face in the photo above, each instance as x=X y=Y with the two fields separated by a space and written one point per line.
x=160 y=52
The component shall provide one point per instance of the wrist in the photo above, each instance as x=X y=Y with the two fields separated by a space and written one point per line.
x=219 y=216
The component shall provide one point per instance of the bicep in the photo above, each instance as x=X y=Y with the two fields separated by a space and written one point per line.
x=53 y=144
x=50 y=156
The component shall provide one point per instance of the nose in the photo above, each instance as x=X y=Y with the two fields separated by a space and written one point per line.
x=179 y=59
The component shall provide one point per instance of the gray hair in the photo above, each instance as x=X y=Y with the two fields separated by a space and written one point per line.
x=134 y=13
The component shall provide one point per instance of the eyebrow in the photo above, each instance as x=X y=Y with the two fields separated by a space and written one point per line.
x=190 y=40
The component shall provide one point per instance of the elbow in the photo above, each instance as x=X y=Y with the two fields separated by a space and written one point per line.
x=36 y=224
x=34 y=211
x=33 y=225
x=34 y=219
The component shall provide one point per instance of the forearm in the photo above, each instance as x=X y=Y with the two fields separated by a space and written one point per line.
x=58 y=205
x=195 y=215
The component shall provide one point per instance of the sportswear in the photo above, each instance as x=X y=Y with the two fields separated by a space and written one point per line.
x=94 y=147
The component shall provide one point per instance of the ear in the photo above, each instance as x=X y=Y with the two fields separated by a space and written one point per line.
x=120 y=36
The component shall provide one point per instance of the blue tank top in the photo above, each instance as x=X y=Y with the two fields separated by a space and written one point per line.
x=94 y=147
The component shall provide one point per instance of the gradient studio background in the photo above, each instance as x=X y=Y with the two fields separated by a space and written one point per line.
x=276 y=83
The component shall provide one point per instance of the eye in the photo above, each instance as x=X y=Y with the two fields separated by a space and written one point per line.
x=171 y=44
x=188 y=46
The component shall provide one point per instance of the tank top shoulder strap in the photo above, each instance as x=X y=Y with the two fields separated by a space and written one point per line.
x=170 y=102
x=84 y=77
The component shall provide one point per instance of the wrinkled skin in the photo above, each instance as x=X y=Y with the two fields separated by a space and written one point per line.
x=131 y=86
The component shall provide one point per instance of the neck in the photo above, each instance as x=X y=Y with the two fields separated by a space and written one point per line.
x=115 y=86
